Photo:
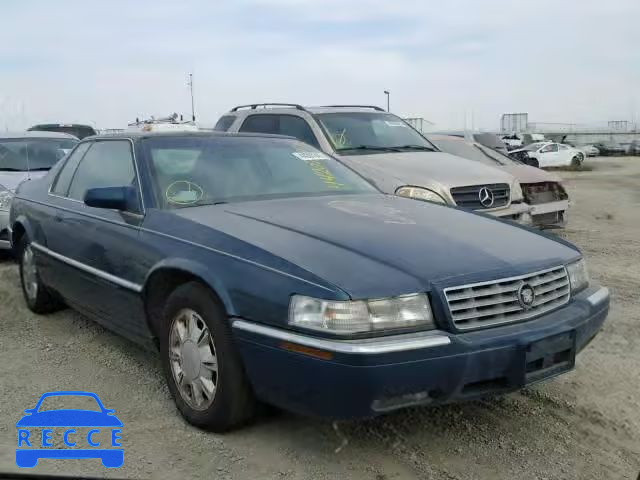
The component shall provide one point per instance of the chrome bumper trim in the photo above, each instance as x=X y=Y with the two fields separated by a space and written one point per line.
x=368 y=346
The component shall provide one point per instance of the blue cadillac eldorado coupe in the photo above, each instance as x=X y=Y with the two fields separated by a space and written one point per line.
x=266 y=270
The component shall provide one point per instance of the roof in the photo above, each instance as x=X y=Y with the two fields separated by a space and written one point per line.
x=45 y=125
x=36 y=134
x=183 y=133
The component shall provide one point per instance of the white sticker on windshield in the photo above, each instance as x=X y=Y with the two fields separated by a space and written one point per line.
x=395 y=124
x=310 y=156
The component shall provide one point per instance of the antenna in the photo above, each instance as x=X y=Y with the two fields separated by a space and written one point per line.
x=193 y=110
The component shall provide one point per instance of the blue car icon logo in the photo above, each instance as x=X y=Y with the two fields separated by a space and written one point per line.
x=36 y=433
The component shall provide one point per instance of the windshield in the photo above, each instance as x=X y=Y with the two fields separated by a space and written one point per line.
x=358 y=130
x=69 y=402
x=189 y=171
x=24 y=154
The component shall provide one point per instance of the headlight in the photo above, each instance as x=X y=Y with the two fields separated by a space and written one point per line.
x=6 y=196
x=361 y=316
x=516 y=192
x=578 y=275
x=418 y=193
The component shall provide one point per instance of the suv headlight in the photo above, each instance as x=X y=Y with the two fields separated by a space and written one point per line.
x=578 y=275
x=418 y=193
x=6 y=196
x=361 y=316
x=516 y=192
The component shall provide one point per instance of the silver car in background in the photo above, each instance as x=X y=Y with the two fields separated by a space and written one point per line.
x=543 y=191
x=388 y=152
x=26 y=155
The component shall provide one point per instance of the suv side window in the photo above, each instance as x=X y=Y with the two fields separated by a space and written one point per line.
x=61 y=183
x=260 y=124
x=223 y=124
x=297 y=127
x=109 y=163
x=290 y=125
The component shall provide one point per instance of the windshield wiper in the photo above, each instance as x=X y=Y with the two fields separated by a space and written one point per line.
x=9 y=169
x=423 y=148
x=370 y=147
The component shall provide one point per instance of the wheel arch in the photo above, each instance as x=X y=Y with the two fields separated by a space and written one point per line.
x=19 y=228
x=169 y=274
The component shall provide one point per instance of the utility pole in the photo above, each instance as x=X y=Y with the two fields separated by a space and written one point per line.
x=193 y=110
x=387 y=93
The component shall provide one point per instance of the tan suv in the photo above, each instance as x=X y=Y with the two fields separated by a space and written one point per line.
x=388 y=152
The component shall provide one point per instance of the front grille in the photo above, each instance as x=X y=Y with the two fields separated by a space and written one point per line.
x=469 y=197
x=485 y=304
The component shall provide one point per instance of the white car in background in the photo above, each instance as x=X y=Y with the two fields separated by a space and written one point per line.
x=550 y=154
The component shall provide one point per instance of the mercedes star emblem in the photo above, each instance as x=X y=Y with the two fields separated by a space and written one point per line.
x=486 y=197
x=526 y=296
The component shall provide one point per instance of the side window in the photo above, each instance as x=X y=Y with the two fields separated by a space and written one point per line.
x=61 y=183
x=550 y=148
x=297 y=127
x=224 y=123
x=109 y=163
x=260 y=124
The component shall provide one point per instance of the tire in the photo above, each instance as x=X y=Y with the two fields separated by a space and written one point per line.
x=576 y=161
x=37 y=296
x=189 y=360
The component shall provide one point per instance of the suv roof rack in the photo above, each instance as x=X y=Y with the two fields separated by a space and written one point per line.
x=356 y=106
x=253 y=106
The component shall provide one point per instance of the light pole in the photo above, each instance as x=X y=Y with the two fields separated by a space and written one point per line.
x=387 y=92
x=193 y=110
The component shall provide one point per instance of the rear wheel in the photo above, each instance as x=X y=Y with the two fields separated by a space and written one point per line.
x=202 y=366
x=38 y=297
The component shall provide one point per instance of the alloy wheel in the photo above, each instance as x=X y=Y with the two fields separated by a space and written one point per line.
x=192 y=359
x=29 y=273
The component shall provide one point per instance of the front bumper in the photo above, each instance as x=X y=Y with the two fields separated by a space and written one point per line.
x=362 y=378
x=518 y=212
x=5 y=231
x=550 y=214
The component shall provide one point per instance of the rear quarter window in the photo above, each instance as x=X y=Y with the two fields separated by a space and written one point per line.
x=224 y=123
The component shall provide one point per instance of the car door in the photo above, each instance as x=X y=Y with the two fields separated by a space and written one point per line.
x=99 y=250
x=565 y=154
x=548 y=155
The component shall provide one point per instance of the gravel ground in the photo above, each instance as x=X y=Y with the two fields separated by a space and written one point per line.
x=583 y=425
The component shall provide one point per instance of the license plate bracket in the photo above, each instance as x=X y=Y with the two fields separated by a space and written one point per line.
x=549 y=357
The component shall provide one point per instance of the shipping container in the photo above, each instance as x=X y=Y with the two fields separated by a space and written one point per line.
x=514 y=122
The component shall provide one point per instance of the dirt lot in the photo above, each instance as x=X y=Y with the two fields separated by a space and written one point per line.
x=583 y=425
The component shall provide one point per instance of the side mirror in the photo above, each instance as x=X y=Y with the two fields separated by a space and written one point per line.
x=114 y=198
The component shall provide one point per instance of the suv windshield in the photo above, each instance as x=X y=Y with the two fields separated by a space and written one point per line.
x=20 y=155
x=373 y=131
x=192 y=170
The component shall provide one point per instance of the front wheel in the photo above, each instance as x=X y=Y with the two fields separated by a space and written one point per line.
x=38 y=297
x=202 y=366
x=577 y=160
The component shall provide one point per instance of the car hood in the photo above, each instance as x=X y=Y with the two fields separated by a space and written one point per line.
x=11 y=180
x=377 y=245
x=423 y=168
x=69 y=418
x=528 y=174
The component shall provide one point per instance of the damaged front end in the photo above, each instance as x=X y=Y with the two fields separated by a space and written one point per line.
x=549 y=202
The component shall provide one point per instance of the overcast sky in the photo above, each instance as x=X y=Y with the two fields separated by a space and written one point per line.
x=110 y=61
